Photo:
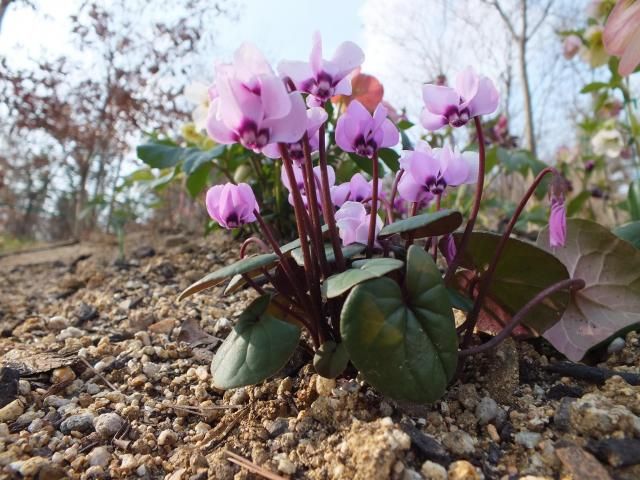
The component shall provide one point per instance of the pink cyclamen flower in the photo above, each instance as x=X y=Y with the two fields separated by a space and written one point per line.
x=621 y=35
x=571 y=46
x=557 y=223
x=429 y=171
x=358 y=189
x=472 y=96
x=231 y=205
x=316 y=116
x=322 y=79
x=353 y=223
x=364 y=134
x=253 y=107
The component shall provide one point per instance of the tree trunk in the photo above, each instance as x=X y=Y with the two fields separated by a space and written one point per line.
x=529 y=133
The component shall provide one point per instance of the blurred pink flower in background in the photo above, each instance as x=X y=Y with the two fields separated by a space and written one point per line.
x=231 y=205
x=365 y=88
x=622 y=35
x=571 y=46
x=353 y=223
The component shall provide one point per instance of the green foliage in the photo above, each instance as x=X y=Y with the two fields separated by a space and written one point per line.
x=425 y=225
x=403 y=343
x=629 y=232
x=361 y=271
x=257 y=347
x=331 y=359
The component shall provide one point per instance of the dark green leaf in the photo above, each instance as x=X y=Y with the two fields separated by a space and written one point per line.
x=424 y=225
x=257 y=347
x=459 y=301
x=522 y=272
x=331 y=359
x=629 y=232
x=348 y=252
x=404 y=125
x=162 y=155
x=574 y=206
x=404 y=345
x=363 y=270
x=594 y=87
x=633 y=199
x=390 y=158
x=610 y=301
x=198 y=179
x=245 y=265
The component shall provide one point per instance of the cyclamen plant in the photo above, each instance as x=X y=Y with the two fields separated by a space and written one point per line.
x=367 y=288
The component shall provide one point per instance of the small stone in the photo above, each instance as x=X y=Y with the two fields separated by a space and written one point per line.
x=92 y=388
x=239 y=397
x=82 y=422
x=11 y=411
x=580 y=464
x=430 y=448
x=410 y=474
x=277 y=427
x=70 y=332
x=63 y=374
x=30 y=467
x=468 y=396
x=95 y=471
x=128 y=462
x=433 y=471
x=286 y=384
x=562 y=415
x=285 y=465
x=493 y=433
x=528 y=439
x=86 y=312
x=144 y=251
x=617 y=452
x=463 y=470
x=616 y=345
x=167 y=437
x=324 y=386
x=108 y=424
x=99 y=456
x=151 y=369
x=486 y=410
x=596 y=416
x=57 y=323
x=24 y=387
x=459 y=443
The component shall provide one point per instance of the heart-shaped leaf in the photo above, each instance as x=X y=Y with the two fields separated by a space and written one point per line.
x=404 y=344
x=523 y=271
x=331 y=359
x=340 y=283
x=257 y=347
x=610 y=300
x=163 y=154
x=347 y=251
x=424 y=225
x=629 y=232
x=245 y=265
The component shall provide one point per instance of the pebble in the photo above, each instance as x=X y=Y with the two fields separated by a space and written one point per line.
x=167 y=437
x=108 y=424
x=30 y=467
x=82 y=422
x=285 y=465
x=128 y=462
x=24 y=387
x=92 y=388
x=11 y=411
x=57 y=323
x=324 y=386
x=579 y=464
x=596 y=416
x=277 y=427
x=463 y=470
x=459 y=443
x=616 y=345
x=63 y=374
x=493 y=433
x=486 y=410
x=151 y=369
x=99 y=456
x=468 y=396
x=239 y=397
x=433 y=471
x=70 y=332
x=617 y=452
x=528 y=439
x=95 y=471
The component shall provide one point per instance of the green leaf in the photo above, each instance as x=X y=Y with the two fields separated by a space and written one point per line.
x=164 y=155
x=404 y=124
x=348 y=252
x=331 y=359
x=404 y=344
x=407 y=144
x=594 y=87
x=522 y=272
x=629 y=232
x=633 y=199
x=245 y=265
x=576 y=203
x=198 y=179
x=363 y=163
x=257 y=347
x=363 y=270
x=390 y=158
x=610 y=301
x=459 y=301
x=424 y=225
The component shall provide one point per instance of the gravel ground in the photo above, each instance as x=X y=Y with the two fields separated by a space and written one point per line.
x=105 y=376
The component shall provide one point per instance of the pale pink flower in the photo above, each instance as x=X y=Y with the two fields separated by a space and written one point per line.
x=364 y=134
x=231 y=205
x=353 y=223
x=621 y=35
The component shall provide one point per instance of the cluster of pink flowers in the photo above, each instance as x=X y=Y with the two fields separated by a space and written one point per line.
x=268 y=113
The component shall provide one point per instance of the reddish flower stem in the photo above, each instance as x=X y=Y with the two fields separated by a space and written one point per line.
x=571 y=283
x=466 y=236
x=374 y=207
x=243 y=249
x=413 y=209
x=327 y=204
x=485 y=282
x=434 y=252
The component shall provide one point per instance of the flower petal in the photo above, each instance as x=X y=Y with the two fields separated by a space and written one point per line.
x=390 y=134
x=291 y=128
x=274 y=96
x=315 y=58
x=432 y=121
x=347 y=57
x=439 y=99
x=467 y=84
x=631 y=57
x=485 y=100
x=248 y=62
x=455 y=170
x=216 y=128
x=299 y=72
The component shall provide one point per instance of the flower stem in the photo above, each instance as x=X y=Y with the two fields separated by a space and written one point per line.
x=571 y=283
x=374 y=207
x=466 y=236
x=327 y=205
x=485 y=282
x=394 y=192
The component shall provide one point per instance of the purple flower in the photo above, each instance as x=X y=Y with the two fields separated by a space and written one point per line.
x=472 y=96
x=253 y=107
x=449 y=249
x=360 y=132
x=316 y=116
x=322 y=79
x=428 y=172
x=557 y=223
x=353 y=223
x=298 y=173
x=231 y=205
x=358 y=189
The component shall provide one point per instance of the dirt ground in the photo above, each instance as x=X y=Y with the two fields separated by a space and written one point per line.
x=104 y=375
